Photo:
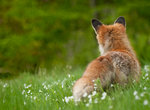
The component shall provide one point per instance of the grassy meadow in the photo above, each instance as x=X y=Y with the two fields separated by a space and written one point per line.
x=50 y=34
x=53 y=91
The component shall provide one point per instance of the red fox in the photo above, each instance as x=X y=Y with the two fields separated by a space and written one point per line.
x=117 y=63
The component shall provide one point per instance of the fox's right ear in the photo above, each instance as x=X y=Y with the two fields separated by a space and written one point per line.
x=121 y=20
x=96 y=24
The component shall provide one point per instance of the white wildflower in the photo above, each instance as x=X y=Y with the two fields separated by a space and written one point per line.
x=45 y=87
x=93 y=93
x=96 y=100
x=135 y=93
x=95 y=87
x=85 y=94
x=34 y=97
x=69 y=75
x=24 y=103
x=134 y=81
x=147 y=78
x=137 y=97
x=145 y=88
x=23 y=92
x=110 y=107
x=142 y=94
x=72 y=83
x=145 y=102
x=26 y=95
x=111 y=85
x=43 y=83
x=40 y=90
x=90 y=100
x=87 y=104
x=49 y=85
x=103 y=95
x=146 y=68
x=146 y=74
x=90 y=96
x=29 y=86
x=63 y=100
x=29 y=91
x=62 y=85
x=67 y=99
x=71 y=97
x=46 y=98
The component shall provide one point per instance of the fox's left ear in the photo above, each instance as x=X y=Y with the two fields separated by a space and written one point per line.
x=96 y=24
x=121 y=20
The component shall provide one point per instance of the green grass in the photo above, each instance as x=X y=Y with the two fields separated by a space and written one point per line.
x=53 y=91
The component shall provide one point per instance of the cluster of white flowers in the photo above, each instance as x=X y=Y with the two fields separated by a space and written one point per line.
x=104 y=94
x=27 y=92
x=67 y=99
x=88 y=98
x=45 y=89
x=147 y=70
x=135 y=93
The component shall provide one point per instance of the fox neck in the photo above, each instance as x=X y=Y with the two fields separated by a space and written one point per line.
x=116 y=45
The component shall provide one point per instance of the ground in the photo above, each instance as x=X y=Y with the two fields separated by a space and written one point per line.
x=53 y=91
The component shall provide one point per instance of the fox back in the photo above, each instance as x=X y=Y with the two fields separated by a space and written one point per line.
x=117 y=63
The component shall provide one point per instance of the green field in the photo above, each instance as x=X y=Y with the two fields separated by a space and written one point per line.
x=53 y=91
x=50 y=34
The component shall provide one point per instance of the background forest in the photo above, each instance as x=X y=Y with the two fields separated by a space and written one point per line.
x=56 y=33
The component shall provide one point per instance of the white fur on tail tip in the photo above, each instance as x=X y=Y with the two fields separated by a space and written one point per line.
x=80 y=89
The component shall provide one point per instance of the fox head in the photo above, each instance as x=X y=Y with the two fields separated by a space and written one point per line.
x=111 y=37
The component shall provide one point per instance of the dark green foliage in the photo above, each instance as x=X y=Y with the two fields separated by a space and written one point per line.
x=49 y=33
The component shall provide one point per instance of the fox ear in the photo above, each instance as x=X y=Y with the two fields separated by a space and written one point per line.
x=96 y=24
x=121 y=20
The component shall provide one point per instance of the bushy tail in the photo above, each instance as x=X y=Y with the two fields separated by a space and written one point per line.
x=82 y=86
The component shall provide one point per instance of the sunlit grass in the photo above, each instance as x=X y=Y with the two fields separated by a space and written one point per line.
x=54 y=92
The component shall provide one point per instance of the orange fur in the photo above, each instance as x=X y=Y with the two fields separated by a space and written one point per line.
x=117 y=63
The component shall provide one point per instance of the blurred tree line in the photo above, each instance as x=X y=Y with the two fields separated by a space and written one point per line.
x=49 y=33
